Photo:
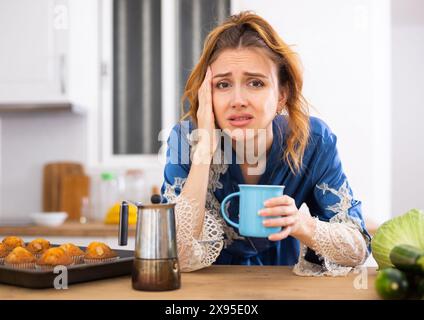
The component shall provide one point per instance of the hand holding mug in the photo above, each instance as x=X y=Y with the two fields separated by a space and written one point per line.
x=284 y=214
x=252 y=199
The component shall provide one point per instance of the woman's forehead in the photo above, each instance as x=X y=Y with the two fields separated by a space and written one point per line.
x=253 y=60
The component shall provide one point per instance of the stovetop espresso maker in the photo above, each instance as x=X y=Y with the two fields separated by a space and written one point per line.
x=155 y=265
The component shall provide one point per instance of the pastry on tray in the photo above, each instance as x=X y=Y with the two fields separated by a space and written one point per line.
x=20 y=258
x=74 y=252
x=97 y=252
x=4 y=251
x=54 y=257
x=38 y=246
x=12 y=242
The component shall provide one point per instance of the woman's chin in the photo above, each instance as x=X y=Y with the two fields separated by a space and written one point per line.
x=238 y=134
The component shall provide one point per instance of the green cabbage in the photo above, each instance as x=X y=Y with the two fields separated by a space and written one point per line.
x=405 y=229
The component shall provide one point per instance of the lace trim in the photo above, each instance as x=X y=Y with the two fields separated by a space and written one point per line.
x=340 y=244
x=340 y=248
x=170 y=192
x=213 y=205
x=195 y=254
x=342 y=208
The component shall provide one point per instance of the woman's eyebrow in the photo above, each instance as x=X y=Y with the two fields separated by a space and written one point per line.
x=255 y=74
x=220 y=75
x=251 y=74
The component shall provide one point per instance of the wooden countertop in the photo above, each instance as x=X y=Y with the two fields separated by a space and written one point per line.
x=68 y=229
x=218 y=282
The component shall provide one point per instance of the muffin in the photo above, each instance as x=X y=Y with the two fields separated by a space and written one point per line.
x=12 y=242
x=98 y=252
x=4 y=251
x=74 y=252
x=54 y=257
x=20 y=258
x=38 y=246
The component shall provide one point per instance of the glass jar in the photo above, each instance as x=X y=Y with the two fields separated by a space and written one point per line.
x=109 y=194
x=135 y=186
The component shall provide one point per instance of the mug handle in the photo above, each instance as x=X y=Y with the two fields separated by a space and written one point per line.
x=225 y=213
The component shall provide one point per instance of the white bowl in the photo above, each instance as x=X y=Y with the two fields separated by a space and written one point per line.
x=49 y=219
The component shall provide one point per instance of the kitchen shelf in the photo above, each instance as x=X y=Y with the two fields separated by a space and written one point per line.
x=35 y=107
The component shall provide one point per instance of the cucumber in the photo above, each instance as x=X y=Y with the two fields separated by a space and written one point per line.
x=420 y=288
x=408 y=258
x=392 y=284
x=415 y=283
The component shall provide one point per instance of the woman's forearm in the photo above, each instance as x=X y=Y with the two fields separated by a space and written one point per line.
x=196 y=186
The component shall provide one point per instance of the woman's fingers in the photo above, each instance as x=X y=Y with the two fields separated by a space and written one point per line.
x=279 y=222
x=205 y=114
x=205 y=87
x=207 y=79
x=277 y=211
x=279 y=201
x=209 y=86
x=280 y=235
x=205 y=96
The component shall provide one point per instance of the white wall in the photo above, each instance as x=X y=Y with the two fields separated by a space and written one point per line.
x=345 y=50
x=408 y=105
x=28 y=141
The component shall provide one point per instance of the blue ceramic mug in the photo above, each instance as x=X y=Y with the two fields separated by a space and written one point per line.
x=252 y=198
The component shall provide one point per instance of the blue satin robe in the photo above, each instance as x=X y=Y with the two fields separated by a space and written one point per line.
x=321 y=184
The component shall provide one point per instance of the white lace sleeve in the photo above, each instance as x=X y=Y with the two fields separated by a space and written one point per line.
x=340 y=245
x=194 y=254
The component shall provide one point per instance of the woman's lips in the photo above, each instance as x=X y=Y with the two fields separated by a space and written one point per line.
x=240 y=121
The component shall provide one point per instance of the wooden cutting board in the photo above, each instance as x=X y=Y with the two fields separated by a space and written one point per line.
x=53 y=174
x=73 y=189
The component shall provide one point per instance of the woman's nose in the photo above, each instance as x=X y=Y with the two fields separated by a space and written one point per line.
x=238 y=98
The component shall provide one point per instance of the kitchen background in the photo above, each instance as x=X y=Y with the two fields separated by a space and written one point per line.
x=95 y=82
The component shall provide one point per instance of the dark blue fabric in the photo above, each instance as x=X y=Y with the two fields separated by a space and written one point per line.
x=321 y=184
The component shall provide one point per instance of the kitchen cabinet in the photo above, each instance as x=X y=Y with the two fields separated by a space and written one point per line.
x=33 y=50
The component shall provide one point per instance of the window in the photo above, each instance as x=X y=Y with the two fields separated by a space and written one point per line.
x=148 y=49
x=136 y=76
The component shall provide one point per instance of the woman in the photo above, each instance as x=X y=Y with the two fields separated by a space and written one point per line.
x=248 y=84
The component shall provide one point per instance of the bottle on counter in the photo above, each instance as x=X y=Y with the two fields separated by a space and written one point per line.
x=86 y=214
x=109 y=194
x=135 y=188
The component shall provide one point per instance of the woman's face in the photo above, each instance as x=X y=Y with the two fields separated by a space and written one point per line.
x=245 y=91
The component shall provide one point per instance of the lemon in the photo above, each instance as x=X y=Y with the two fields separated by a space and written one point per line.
x=112 y=216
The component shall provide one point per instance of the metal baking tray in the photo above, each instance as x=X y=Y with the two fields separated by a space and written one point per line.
x=82 y=272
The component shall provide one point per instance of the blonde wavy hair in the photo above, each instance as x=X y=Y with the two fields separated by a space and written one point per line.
x=245 y=30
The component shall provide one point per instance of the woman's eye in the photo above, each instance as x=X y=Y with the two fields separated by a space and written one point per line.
x=256 y=83
x=222 y=85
